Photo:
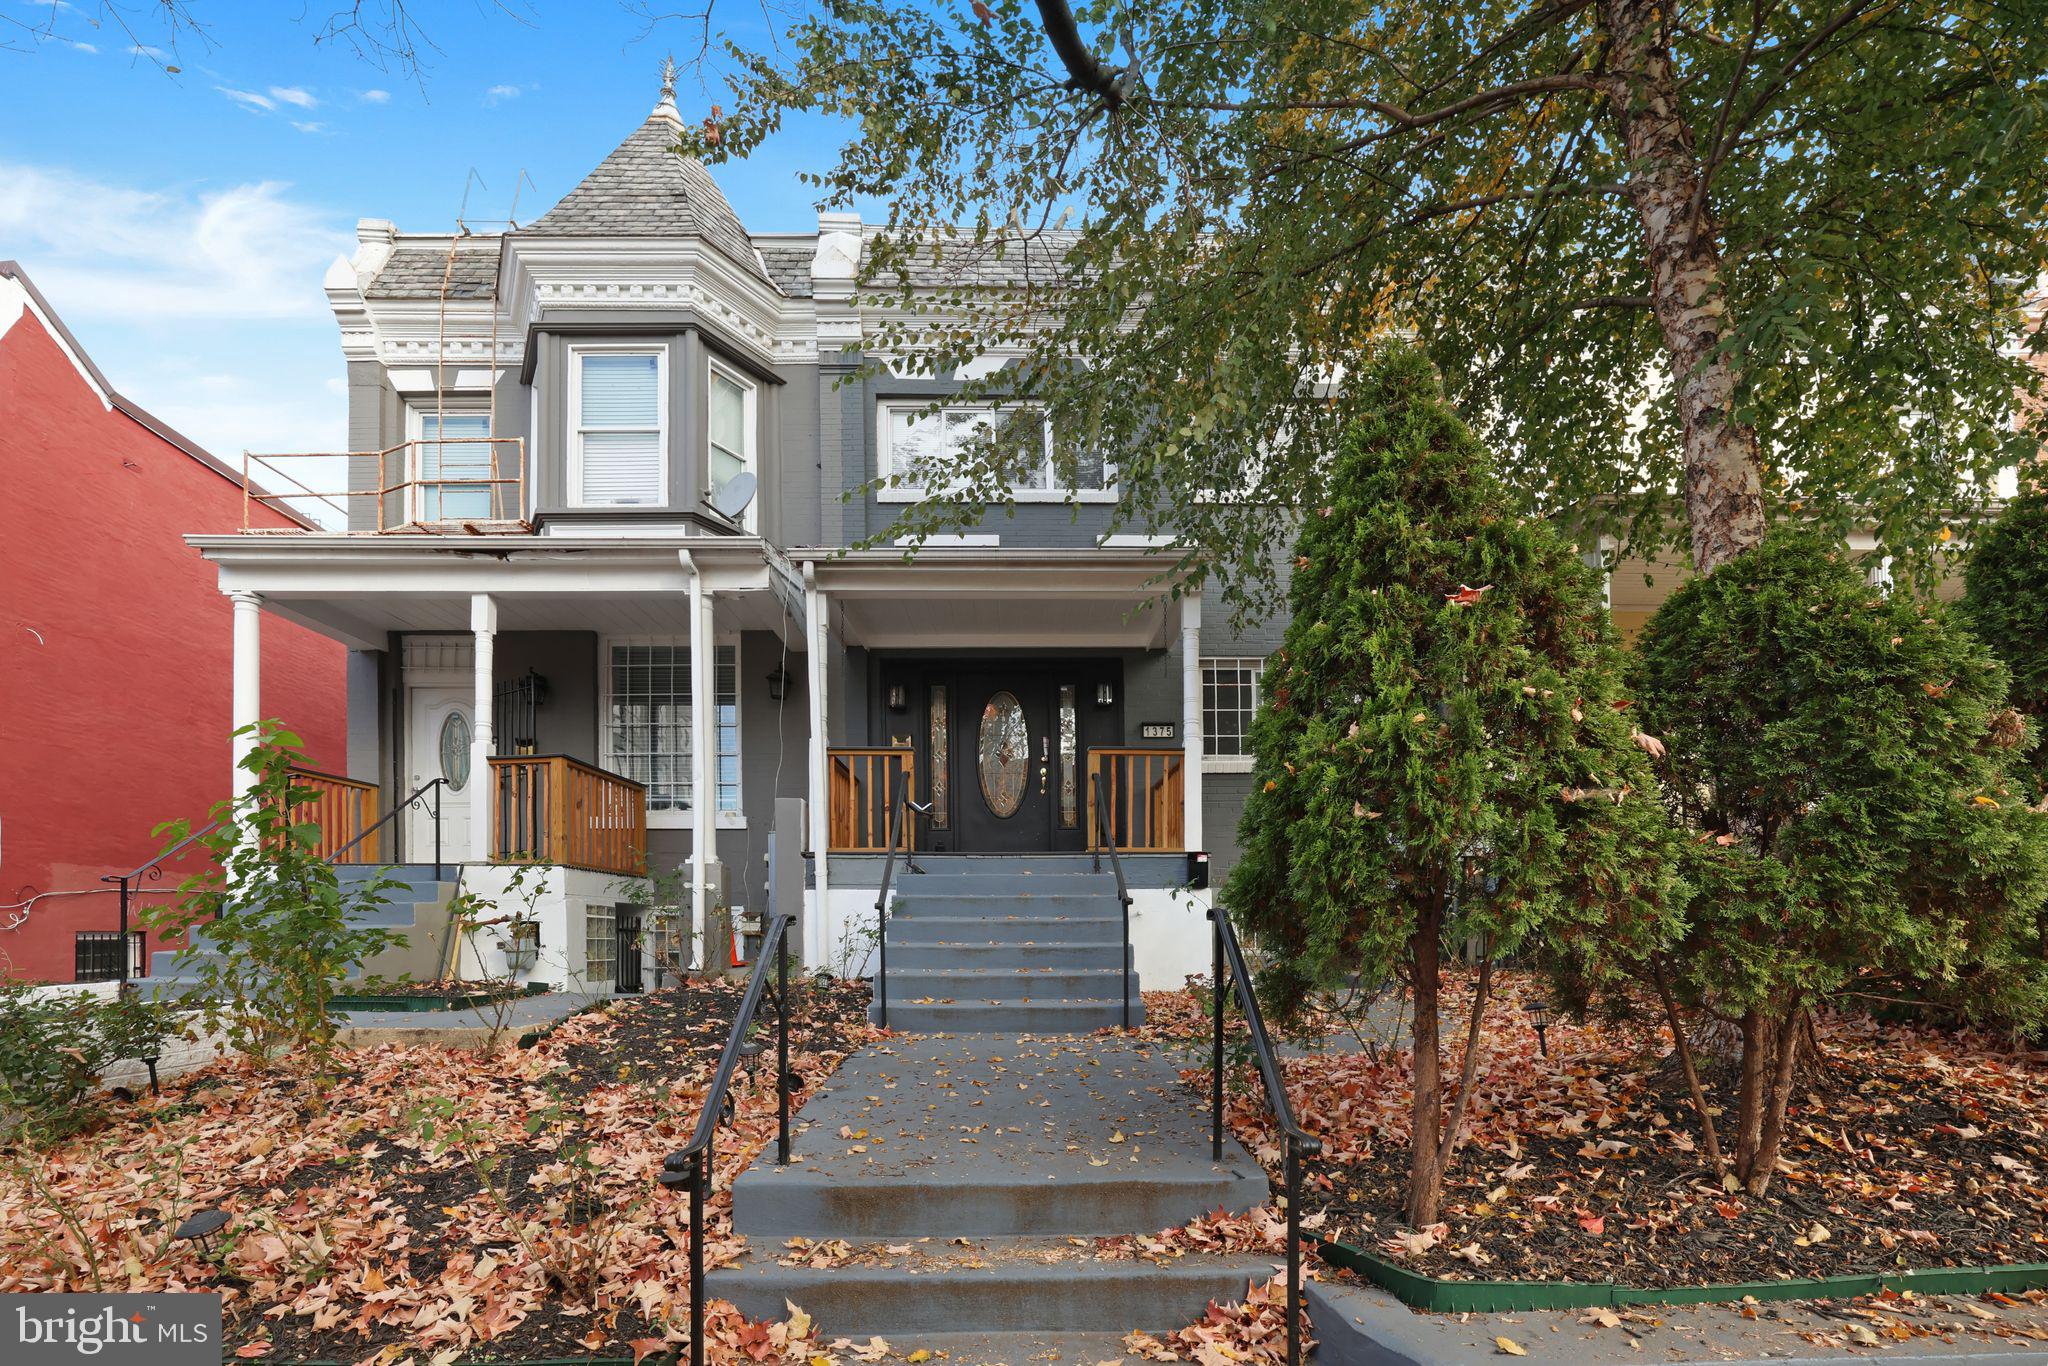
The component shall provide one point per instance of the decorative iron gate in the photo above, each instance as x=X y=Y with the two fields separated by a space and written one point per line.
x=627 y=969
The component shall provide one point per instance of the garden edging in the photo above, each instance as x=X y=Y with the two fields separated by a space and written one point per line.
x=1437 y=1296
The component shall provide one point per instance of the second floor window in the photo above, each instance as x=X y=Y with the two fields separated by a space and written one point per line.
x=921 y=449
x=453 y=467
x=732 y=434
x=618 y=454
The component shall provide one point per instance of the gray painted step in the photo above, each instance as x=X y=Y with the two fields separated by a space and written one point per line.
x=418 y=880
x=1006 y=1017
x=1014 y=1349
x=1004 y=884
x=955 y=929
x=999 y=1286
x=1103 y=953
x=1020 y=905
x=996 y=1136
x=1032 y=865
x=1006 y=983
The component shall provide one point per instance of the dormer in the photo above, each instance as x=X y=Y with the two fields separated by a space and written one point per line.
x=652 y=329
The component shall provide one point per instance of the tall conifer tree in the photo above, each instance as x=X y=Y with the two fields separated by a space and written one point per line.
x=1445 y=751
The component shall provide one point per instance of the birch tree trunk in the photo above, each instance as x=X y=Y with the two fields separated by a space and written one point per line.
x=1723 y=474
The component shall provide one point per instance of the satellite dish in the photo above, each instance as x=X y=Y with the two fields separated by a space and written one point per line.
x=730 y=499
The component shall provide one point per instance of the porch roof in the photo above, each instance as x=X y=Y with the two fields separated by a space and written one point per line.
x=357 y=591
x=1008 y=597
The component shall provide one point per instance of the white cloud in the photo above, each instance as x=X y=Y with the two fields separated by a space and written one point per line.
x=374 y=96
x=87 y=48
x=498 y=94
x=144 y=255
x=248 y=99
x=309 y=127
x=155 y=54
x=293 y=95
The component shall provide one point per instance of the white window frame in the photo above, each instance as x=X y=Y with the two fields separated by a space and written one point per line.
x=683 y=817
x=609 y=914
x=750 y=410
x=885 y=409
x=416 y=416
x=1228 y=763
x=574 y=418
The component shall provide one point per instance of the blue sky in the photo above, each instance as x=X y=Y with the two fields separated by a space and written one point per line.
x=181 y=224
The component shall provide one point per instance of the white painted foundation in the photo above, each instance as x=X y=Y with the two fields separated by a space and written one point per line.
x=565 y=897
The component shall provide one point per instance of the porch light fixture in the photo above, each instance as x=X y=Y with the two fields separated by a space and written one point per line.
x=778 y=684
x=1105 y=695
x=1539 y=1016
x=899 y=697
x=203 y=1228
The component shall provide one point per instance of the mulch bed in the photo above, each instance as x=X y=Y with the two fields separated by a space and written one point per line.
x=429 y=1201
x=1907 y=1147
x=438 y=990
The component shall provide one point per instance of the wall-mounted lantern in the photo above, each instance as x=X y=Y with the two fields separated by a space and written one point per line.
x=1105 y=694
x=778 y=684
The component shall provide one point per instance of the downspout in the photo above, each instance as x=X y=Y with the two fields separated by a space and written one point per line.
x=703 y=783
x=817 y=926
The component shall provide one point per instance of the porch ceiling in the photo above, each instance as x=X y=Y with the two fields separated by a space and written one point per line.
x=985 y=598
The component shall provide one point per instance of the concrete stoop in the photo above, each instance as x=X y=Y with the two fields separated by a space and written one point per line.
x=1028 y=943
x=968 y=1178
x=407 y=907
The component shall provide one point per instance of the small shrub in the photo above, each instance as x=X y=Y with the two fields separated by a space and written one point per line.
x=1845 y=762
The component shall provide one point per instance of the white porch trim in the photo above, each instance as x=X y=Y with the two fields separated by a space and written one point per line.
x=1191 y=719
x=483 y=625
x=247 y=706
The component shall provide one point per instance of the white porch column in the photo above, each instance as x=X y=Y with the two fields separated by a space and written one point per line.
x=1191 y=717
x=483 y=624
x=247 y=706
x=703 y=759
x=817 y=634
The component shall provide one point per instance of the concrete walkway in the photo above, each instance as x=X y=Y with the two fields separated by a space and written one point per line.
x=967 y=1178
x=468 y=1028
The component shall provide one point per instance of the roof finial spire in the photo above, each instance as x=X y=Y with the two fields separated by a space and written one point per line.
x=667 y=102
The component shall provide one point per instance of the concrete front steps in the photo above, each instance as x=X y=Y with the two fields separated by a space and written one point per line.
x=417 y=891
x=970 y=1178
x=1007 y=943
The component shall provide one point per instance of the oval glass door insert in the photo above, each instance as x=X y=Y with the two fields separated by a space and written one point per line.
x=455 y=750
x=1003 y=753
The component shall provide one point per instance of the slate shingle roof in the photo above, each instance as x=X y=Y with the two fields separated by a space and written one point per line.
x=1000 y=262
x=646 y=189
x=417 y=272
x=789 y=268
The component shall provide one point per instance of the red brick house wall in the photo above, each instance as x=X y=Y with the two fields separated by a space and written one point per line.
x=114 y=646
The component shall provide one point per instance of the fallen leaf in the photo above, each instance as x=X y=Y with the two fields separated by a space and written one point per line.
x=1509 y=1347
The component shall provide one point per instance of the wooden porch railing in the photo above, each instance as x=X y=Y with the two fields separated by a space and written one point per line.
x=861 y=784
x=1147 y=799
x=549 y=808
x=343 y=808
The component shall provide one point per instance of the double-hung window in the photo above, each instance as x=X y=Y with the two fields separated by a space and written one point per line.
x=618 y=448
x=732 y=433
x=647 y=730
x=922 y=450
x=453 y=466
x=1230 y=698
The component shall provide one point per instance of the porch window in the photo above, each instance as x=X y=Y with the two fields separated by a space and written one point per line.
x=453 y=449
x=647 y=722
x=618 y=451
x=732 y=433
x=600 y=943
x=920 y=448
x=1230 y=698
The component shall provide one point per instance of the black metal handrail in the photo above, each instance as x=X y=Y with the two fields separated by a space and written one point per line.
x=1105 y=835
x=413 y=798
x=153 y=870
x=901 y=811
x=1300 y=1143
x=689 y=1167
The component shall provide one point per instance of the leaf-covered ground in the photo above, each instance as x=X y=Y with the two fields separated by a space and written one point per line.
x=1906 y=1148
x=428 y=1202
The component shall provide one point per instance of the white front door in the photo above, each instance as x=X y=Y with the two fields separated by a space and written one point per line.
x=438 y=740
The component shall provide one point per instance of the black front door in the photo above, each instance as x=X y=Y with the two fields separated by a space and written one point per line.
x=1003 y=735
